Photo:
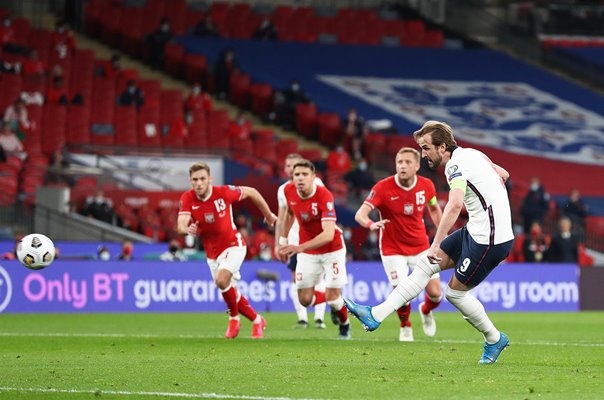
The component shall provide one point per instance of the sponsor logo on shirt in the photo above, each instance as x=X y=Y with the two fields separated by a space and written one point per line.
x=195 y=207
x=394 y=198
x=455 y=175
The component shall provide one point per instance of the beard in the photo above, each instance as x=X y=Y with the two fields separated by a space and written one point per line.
x=434 y=164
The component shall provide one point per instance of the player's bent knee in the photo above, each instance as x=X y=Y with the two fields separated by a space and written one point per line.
x=455 y=296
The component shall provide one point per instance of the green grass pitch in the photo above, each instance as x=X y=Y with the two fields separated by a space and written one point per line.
x=171 y=356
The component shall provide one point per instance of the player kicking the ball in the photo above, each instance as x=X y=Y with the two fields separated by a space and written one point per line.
x=206 y=210
x=474 y=250
x=400 y=200
x=321 y=251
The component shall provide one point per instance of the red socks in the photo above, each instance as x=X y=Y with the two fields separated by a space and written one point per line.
x=230 y=298
x=246 y=309
x=403 y=315
x=319 y=298
x=429 y=305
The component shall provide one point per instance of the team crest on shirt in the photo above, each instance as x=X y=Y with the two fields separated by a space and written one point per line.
x=209 y=218
x=299 y=276
x=408 y=210
x=304 y=216
x=393 y=275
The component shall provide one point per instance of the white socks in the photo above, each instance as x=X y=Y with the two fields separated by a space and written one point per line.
x=407 y=290
x=320 y=308
x=300 y=309
x=336 y=304
x=473 y=312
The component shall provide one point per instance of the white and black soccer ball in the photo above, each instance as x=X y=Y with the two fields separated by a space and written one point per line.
x=36 y=251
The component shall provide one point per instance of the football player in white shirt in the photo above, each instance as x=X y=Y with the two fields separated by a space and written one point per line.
x=293 y=239
x=474 y=250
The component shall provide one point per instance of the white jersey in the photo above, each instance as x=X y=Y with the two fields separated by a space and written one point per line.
x=293 y=237
x=486 y=198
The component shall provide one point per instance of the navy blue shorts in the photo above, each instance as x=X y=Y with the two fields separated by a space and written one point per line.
x=293 y=261
x=473 y=261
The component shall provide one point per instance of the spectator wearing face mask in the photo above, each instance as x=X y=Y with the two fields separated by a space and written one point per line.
x=127 y=253
x=265 y=253
x=356 y=130
x=369 y=249
x=360 y=180
x=240 y=130
x=285 y=104
x=132 y=96
x=535 y=205
x=103 y=253
x=157 y=41
x=198 y=100
x=173 y=253
x=225 y=66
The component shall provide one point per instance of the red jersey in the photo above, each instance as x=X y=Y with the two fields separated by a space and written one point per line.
x=217 y=230
x=404 y=207
x=310 y=212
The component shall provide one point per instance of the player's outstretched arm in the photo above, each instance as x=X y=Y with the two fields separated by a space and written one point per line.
x=260 y=203
x=362 y=217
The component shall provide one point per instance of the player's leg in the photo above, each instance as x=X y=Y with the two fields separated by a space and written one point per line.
x=229 y=264
x=225 y=283
x=308 y=273
x=408 y=289
x=293 y=294
x=432 y=298
x=336 y=277
x=474 y=265
x=320 y=308
x=396 y=268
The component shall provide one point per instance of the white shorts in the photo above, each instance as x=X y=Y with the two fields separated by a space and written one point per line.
x=397 y=267
x=312 y=267
x=231 y=260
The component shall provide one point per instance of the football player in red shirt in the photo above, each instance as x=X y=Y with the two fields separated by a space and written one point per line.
x=400 y=200
x=205 y=210
x=321 y=250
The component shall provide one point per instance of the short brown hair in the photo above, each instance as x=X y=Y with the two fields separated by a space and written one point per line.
x=306 y=164
x=409 y=150
x=198 y=166
x=441 y=133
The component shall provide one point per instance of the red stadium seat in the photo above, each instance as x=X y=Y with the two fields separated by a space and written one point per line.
x=306 y=119
x=126 y=126
x=262 y=98
x=330 y=129
x=78 y=126
x=196 y=68
x=174 y=57
x=239 y=89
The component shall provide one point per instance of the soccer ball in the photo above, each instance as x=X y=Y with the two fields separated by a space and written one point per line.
x=36 y=251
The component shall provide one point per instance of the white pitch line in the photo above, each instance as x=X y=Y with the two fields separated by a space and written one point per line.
x=356 y=339
x=164 y=394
